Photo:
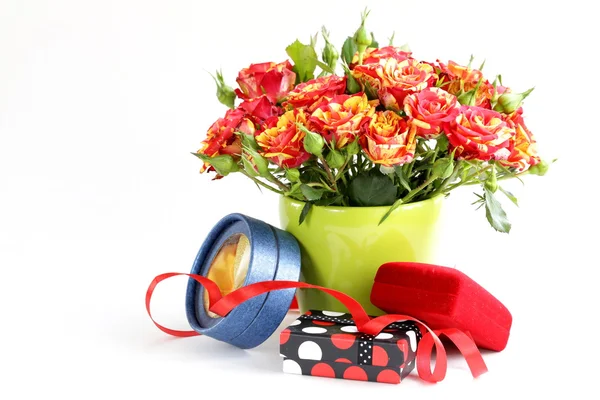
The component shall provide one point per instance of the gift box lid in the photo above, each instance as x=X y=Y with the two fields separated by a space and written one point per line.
x=333 y=336
x=239 y=251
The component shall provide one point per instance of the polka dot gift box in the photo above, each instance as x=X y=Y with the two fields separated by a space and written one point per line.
x=328 y=344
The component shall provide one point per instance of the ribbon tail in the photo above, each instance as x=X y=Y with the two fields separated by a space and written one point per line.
x=467 y=347
x=214 y=295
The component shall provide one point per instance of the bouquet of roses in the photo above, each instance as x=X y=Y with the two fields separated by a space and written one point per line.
x=388 y=131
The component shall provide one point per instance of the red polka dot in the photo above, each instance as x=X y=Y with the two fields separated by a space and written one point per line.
x=403 y=346
x=343 y=360
x=343 y=340
x=322 y=369
x=284 y=336
x=308 y=313
x=388 y=376
x=356 y=373
x=380 y=356
x=323 y=323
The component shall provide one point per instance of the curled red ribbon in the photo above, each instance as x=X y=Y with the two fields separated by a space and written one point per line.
x=222 y=305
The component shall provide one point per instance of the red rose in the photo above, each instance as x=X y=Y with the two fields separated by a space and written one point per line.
x=394 y=80
x=342 y=118
x=522 y=146
x=270 y=79
x=430 y=110
x=259 y=109
x=479 y=133
x=282 y=141
x=388 y=139
x=221 y=138
x=309 y=93
x=372 y=55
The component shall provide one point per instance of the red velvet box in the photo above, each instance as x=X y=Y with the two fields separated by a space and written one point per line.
x=442 y=297
x=327 y=344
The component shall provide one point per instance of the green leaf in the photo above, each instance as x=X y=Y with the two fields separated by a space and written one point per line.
x=443 y=168
x=494 y=213
x=311 y=193
x=304 y=212
x=402 y=177
x=352 y=86
x=335 y=159
x=396 y=204
x=258 y=163
x=348 y=50
x=370 y=91
x=373 y=189
x=328 y=201
x=325 y=67
x=247 y=140
x=305 y=60
x=442 y=143
x=510 y=196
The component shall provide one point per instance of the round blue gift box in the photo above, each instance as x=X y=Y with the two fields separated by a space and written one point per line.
x=274 y=255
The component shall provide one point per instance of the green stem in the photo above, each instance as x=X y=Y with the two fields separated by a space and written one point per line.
x=418 y=189
x=261 y=183
x=329 y=173
x=280 y=184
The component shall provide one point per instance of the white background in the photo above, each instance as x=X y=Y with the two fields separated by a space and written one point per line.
x=101 y=103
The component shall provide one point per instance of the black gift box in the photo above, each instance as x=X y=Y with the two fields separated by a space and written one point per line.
x=326 y=343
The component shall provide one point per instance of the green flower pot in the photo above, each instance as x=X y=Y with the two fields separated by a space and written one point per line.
x=342 y=247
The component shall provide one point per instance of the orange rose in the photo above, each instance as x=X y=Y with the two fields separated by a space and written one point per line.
x=481 y=134
x=282 y=142
x=342 y=118
x=389 y=139
x=431 y=110
x=372 y=55
x=221 y=138
x=309 y=93
x=457 y=79
x=522 y=145
x=270 y=79
x=394 y=79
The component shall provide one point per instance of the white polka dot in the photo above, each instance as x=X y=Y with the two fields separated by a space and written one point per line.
x=384 y=335
x=296 y=322
x=314 y=329
x=309 y=351
x=349 y=329
x=291 y=367
x=333 y=313
x=413 y=340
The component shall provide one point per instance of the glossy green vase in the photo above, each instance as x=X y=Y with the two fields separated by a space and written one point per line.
x=342 y=247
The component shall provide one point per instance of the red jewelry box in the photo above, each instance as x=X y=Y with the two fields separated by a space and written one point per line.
x=327 y=344
x=442 y=297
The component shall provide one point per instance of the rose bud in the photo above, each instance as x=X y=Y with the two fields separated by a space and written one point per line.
x=225 y=94
x=510 y=102
x=271 y=79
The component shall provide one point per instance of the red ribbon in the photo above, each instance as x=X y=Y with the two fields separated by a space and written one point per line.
x=223 y=305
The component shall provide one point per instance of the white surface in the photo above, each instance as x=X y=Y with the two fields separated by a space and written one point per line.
x=101 y=103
